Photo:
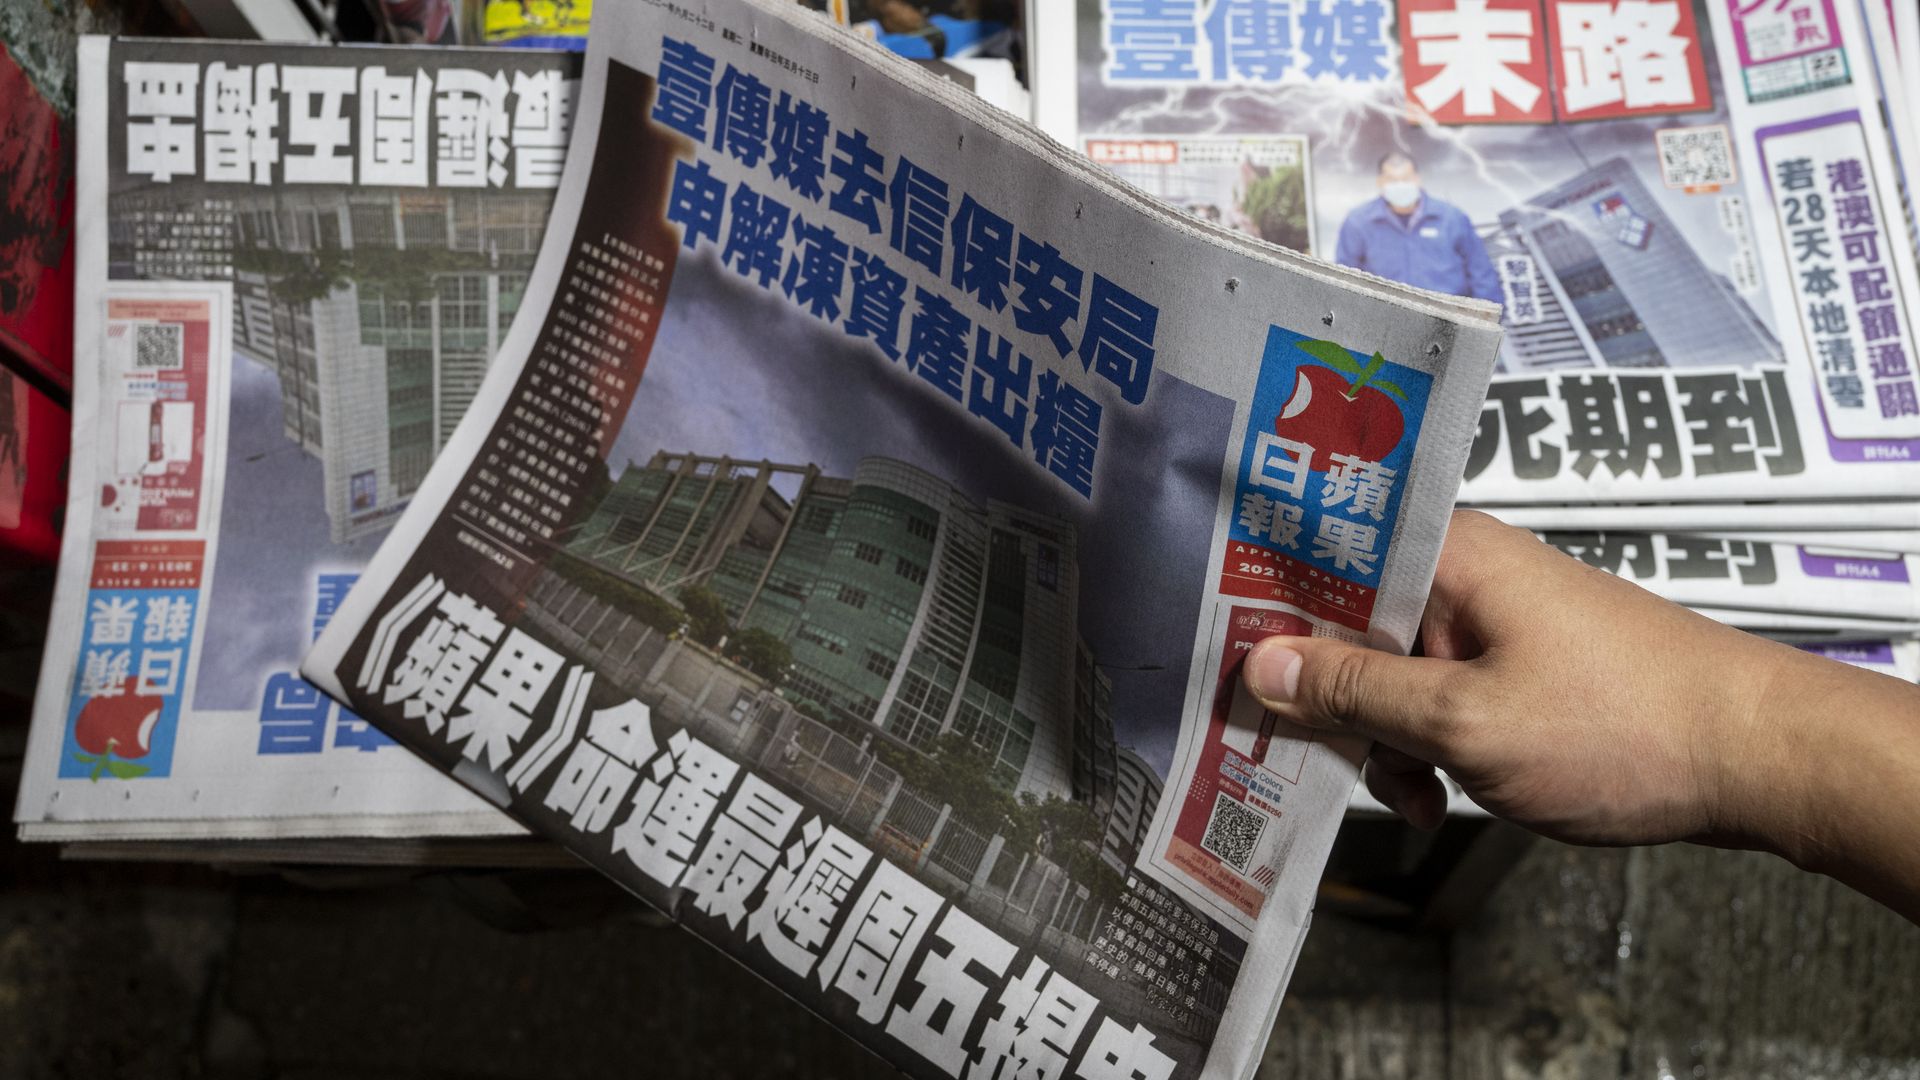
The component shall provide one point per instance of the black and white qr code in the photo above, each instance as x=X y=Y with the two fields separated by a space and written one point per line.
x=1696 y=156
x=1233 y=832
x=156 y=345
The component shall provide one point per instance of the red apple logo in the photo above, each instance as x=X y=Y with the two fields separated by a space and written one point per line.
x=111 y=729
x=1342 y=408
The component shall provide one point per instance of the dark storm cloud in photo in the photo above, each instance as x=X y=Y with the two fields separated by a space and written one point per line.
x=738 y=371
x=274 y=541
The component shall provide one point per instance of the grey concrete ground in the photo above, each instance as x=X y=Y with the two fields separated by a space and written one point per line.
x=1674 y=963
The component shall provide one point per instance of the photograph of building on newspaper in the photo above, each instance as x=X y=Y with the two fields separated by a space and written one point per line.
x=1704 y=297
x=365 y=220
x=852 y=552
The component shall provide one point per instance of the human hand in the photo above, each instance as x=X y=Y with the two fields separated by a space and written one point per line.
x=1561 y=698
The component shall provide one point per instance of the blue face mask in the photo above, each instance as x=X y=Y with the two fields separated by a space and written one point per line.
x=1401 y=194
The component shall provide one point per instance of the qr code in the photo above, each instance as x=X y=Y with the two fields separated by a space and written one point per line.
x=1233 y=832
x=1696 y=156
x=156 y=345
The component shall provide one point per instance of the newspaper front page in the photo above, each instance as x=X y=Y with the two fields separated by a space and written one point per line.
x=853 y=550
x=1743 y=572
x=1865 y=516
x=1889 y=541
x=1797 y=626
x=1690 y=211
x=1900 y=659
x=295 y=264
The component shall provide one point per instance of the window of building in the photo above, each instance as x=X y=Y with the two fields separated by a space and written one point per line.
x=804 y=681
x=880 y=664
x=998 y=679
x=1046 y=568
x=909 y=569
x=417 y=433
x=921 y=528
x=833 y=643
x=914 y=690
x=967 y=719
x=424 y=226
x=1014 y=751
x=305 y=229
x=852 y=597
x=372 y=224
x=1615 y=326
x=896 y=614
x=867 y=553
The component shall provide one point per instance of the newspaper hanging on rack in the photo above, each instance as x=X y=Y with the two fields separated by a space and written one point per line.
x=1689 y=210
x=853 y=550
x=295 y=264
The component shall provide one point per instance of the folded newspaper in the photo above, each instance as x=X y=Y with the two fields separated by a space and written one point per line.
x=1803 y=516
x=1743 y=572
x=1900 y=659
x=368 y=294
x=1692 y=211
x=294 y=266
x=853 y=548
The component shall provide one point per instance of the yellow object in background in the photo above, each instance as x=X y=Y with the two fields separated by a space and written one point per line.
x=536 y=24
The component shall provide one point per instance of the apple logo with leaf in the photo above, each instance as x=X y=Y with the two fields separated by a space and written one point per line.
x=1342 y=408
x=113 y=729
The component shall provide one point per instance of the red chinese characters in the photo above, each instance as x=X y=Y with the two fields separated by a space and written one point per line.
x=1528 y=61
x=1476 y=61
x=1625 y=58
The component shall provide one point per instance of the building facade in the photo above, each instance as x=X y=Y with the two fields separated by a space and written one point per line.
x=1136 y=796
x=1095 y=757
x=686 y=519
x=380 y=312
x=909 y=609
x=1619 y=286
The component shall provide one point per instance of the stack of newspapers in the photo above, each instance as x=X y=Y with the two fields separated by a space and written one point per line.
x=1693 y=214
x=836 y=510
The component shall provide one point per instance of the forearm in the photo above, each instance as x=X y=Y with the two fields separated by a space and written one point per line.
x=1585 y=708
x=1832 y=781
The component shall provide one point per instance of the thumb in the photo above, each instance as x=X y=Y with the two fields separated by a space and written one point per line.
x=1410 y=703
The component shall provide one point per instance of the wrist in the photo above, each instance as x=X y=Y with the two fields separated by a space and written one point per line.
x=1764 y=757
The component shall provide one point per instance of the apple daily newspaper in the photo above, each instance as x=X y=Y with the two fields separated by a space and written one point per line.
x=1691 y=210
x=852 y=549
x=293 y=264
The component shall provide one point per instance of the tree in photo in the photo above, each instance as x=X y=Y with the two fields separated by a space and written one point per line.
x=707 y=620
x=1276 y=203
x=761 y=653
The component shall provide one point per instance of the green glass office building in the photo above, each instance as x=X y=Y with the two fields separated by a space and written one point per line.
x=909 y=608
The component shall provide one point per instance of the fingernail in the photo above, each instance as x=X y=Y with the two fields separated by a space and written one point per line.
x=1273 y=671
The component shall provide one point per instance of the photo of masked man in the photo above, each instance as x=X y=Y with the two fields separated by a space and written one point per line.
x=1409 y=236
x=936 y=29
